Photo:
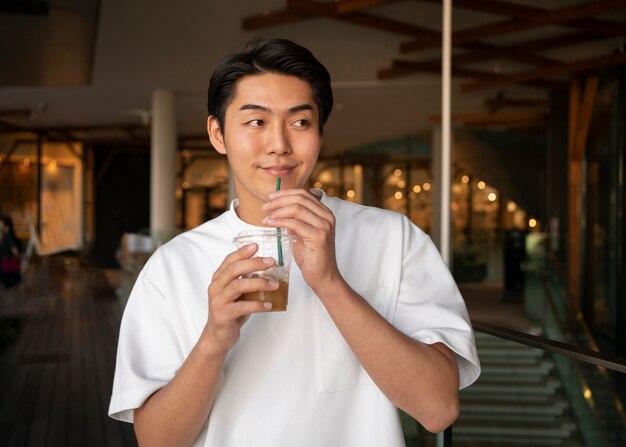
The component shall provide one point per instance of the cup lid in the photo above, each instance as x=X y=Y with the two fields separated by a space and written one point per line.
x=270 y=233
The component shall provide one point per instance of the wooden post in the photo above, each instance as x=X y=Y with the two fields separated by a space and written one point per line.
x=580 y=113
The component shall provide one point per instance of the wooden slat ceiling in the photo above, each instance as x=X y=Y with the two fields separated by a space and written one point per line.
x=565 y=27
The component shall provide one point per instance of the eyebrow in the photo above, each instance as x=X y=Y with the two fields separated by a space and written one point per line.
x=294 y=109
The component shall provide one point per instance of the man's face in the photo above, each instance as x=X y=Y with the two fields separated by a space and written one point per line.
x=271 y=130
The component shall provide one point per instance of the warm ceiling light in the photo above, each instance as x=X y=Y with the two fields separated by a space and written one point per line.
x=511 y=206
x=397 y=172
x=481 y=185
x=350 y=194
x=465 y=179
x=532 y=223
x=426 y=186
x=398 y=195
x=492 y=197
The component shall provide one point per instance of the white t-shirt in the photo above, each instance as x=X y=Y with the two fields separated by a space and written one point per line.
x=291 y=380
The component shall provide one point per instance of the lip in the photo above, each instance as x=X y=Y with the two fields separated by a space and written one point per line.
x=278 y=170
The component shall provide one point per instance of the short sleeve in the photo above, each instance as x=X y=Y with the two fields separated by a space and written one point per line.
x=148 y=354
x=430 y=308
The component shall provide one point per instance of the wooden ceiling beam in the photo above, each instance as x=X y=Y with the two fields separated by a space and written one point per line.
x=545 y=18
x=479 y=52
x=561 y=40
x=298 y=10
x=330 y=9
x=356 y=18
x=384 y=24
x=556 y=70
x=482 y=51
x=403 y=67
x=523 y=12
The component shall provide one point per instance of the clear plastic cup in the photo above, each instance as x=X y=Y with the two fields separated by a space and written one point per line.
x=272 y=243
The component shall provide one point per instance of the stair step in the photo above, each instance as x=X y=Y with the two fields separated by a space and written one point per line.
x=504 y=352
x=546 y=387
x=487 y=361
x=561 y=431
x=542 y=368
x=508 y=419
x=498 y=401
x=486 y=378
x=482 y=338
x=555 y=407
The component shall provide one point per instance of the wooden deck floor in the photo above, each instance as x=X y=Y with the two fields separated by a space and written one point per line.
x=58 y=337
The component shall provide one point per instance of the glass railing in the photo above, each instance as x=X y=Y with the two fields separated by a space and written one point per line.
x=533 y=392
x=560 y=322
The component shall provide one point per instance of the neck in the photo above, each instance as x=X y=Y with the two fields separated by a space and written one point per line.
x=252 y=214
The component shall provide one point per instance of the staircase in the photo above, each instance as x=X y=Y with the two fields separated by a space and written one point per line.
x=517 y=401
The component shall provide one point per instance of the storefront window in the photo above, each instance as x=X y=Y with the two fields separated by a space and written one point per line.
x=52 y=213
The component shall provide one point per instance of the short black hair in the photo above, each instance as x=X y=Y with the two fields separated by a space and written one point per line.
x=279 y=56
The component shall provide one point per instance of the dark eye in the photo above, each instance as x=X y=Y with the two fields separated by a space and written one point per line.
x=256 y=123
x=302 y=123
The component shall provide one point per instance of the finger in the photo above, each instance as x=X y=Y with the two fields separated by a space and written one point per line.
x=301 y=211
x=304 y=198
x=240 y=311
x=232 y=272
x=238 y=287
x=300 y=220
x=245 y=252
x=231 y=269
x=234 y=293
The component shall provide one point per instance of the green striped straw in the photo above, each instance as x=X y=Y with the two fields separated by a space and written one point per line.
x=279 y=241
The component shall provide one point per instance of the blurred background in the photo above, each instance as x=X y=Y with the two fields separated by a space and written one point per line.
x=104 y=156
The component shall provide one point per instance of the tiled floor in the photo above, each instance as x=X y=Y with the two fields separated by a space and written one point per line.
x=58 y=335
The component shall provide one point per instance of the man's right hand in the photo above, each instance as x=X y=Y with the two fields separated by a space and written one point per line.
x=227 y=314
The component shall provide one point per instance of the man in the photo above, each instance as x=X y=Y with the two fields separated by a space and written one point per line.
x=374 y=321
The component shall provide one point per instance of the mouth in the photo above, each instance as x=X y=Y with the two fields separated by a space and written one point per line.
x=278 y=170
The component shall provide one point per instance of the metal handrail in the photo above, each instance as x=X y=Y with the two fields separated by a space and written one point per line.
x=557 y=347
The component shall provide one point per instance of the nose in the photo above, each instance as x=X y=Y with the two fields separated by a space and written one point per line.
x=278 y=140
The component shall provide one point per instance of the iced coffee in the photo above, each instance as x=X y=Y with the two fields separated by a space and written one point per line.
x=274 y=243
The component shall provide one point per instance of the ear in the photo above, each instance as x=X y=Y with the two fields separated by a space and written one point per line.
x=215 y=134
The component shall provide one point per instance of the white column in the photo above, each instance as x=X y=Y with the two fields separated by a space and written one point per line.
x=163 y=165
x=444 y=171
x=435 y=144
